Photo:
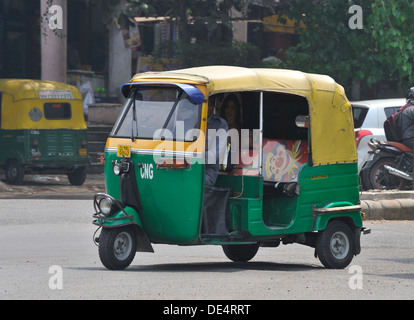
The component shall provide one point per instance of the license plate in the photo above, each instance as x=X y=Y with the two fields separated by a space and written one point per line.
x=124 y=151
x=83 y=152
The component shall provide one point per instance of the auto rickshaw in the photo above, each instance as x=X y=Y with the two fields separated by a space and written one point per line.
x=42 y=131
x=292 y=176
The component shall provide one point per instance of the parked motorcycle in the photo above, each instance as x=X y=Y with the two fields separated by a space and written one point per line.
x=389 y=166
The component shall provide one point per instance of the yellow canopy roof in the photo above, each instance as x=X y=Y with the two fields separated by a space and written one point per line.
x=331 y=121
x=37 y=89
x=21 y=98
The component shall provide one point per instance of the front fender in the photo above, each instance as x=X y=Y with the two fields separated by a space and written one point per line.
x=121 y=218
x=127 y=216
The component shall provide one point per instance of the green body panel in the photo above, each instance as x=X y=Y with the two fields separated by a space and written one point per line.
x=172 y=199
x=172 y=202
x=57 y=146
x=269 y=216
x=326 y=187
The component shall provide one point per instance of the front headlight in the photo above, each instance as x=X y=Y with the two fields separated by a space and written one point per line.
x=120 y=168
x=106 y=206
x=117 y=169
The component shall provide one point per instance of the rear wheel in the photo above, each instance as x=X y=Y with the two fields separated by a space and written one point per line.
x=14 y=172
x=335 y=245
x=117 y=247
x=78 y=176
x=240 y=252
x=381 y=179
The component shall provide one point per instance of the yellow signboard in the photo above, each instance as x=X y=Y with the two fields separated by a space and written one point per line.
x=277 y=24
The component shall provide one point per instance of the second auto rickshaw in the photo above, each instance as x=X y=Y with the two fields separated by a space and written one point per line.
x=288 y=173
x=42 y=130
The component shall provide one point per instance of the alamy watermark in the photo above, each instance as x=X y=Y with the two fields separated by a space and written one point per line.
x=52 y=19
x=55 y=19
x=217 y=141
x=56 y=280
x=355 y=281
x=357 y=19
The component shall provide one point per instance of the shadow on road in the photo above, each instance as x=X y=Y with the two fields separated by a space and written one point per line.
x=222 y=267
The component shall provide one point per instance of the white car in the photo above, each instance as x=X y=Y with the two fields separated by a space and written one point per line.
x=369 y=117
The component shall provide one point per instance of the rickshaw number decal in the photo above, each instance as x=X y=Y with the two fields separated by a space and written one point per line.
x=319 y=177
x=55 y=94
x=124 y=151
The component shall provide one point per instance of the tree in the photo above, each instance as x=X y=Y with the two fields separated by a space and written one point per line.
x=214 y=15
x=380 y=51
x=208 y=21
x=392 y=35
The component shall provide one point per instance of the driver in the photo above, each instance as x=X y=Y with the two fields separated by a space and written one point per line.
x=216 y=141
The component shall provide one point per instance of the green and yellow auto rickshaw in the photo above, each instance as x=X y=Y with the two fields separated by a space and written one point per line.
x=43 y=130
x=288 y=173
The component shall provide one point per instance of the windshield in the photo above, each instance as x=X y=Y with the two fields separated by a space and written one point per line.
x=158 y=113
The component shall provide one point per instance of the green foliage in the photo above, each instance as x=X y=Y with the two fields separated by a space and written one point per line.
x=378 y=52
x=204 y=54
x=208 y=18
x=210 y=13
x=392 y=35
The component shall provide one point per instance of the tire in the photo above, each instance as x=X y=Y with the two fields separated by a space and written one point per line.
x=381 y=179
x=14 y=172
x=364 y=179
x=117 y=247
x=240 y=252
x=335 y=246
x=77 y=177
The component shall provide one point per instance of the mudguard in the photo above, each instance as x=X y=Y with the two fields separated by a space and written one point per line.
x=342 y=210
x=126 y=216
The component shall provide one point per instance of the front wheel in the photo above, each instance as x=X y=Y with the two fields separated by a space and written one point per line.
x=117 y=247
x=335 y=245
x=240 y=252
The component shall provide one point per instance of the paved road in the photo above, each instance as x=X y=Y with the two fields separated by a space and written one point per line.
x=47 y=253
x=52 y=187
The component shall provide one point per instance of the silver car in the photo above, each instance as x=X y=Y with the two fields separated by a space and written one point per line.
x=369 y=117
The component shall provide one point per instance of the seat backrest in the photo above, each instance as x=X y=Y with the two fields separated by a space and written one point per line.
x=281 y=160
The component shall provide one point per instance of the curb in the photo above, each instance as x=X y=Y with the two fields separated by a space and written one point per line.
x=49 y=196
x=397 y=209
x=388 y=205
